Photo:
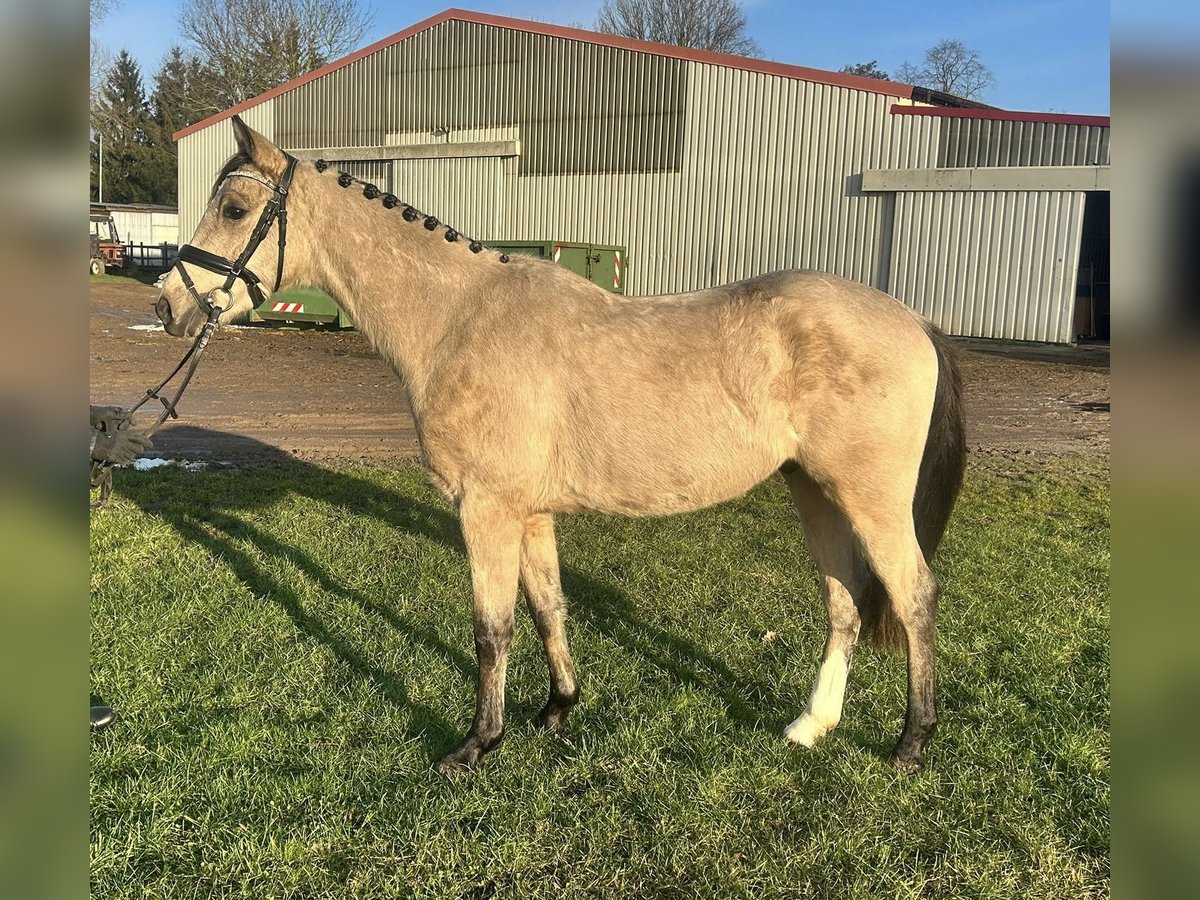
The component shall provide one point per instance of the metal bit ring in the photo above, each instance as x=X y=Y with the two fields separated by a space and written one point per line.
x=228 y=296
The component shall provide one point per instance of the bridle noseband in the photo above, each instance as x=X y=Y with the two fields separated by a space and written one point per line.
x=234 y=270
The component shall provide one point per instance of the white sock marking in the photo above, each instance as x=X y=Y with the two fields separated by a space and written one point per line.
x=824 y=708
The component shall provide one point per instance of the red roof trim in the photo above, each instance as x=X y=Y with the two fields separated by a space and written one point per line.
x=1003 y=115
x=745 y=63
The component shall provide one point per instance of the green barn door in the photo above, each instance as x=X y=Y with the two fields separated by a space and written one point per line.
x=607 y=268
x=604 y=266
x=573 y=258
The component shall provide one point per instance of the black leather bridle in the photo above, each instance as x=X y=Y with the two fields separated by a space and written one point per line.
x=234 y=270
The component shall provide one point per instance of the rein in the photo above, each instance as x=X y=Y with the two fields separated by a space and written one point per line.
x=233 y=270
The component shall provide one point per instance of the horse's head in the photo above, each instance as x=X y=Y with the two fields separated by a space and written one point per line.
x=243 y=214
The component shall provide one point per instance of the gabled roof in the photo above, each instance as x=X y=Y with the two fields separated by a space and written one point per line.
x=749 y=64
x=746 y=63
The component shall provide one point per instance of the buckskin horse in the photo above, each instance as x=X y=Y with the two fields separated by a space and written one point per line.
x=535 y=392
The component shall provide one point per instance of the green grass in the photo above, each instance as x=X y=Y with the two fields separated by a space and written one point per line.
x=290 y=649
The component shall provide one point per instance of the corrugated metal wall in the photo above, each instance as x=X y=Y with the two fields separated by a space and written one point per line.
x=992 y=142
x=147 y=226
x=201 y=155
x=475 y=195
x=577 y=107
x=999 y=264
x=705 y=174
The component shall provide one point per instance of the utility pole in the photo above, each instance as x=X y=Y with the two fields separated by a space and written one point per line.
x=100 y=189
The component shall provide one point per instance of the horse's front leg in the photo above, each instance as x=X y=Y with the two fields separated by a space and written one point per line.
x=493 y=538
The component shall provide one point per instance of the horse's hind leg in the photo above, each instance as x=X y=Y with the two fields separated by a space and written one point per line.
x=543 y=591
x=888 y=539
x=918 y=616
x=843 y=579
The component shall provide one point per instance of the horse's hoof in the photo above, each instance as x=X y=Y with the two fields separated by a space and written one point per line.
x=805 y=731
x=101 y=717
x=459 y=762
x=908 y=764
x=553 y=718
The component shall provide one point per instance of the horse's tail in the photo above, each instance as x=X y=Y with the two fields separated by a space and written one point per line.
x=938 y=483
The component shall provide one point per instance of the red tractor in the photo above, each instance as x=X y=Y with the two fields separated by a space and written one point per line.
x=107 y=251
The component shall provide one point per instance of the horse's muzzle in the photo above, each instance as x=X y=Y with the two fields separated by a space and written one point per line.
x=163 y=308
x=173 y=326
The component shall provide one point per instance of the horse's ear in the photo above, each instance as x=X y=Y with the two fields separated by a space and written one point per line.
x=244 y=137
x=268 y=158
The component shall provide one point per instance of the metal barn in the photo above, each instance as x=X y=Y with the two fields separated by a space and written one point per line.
x=144 y=223
x=702 y=168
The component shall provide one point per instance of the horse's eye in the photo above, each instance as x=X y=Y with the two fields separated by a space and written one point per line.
x=234 y=212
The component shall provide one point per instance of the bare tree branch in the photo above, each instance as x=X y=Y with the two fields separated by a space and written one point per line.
x=949 y=67
x=98 y=9
x=99 y=58
x=252 y=46
x=909 y=74
x=716 y=25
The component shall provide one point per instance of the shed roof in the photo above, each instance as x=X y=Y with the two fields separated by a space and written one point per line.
x=134 y=207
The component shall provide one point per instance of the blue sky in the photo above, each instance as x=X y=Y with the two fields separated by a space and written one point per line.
x=1045 y=54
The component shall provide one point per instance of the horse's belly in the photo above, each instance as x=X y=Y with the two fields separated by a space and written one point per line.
x=651 y=473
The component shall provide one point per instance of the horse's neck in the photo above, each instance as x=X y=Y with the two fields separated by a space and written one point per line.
x=405 y=287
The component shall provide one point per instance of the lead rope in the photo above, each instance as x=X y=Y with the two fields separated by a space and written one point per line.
x=101 y=471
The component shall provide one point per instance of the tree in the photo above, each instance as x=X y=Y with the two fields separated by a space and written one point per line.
x=136 y=168
x=183 y=92
x=98 y=9
x=865 y=70
x=716 y=25
x=951 y=68
x=251 y=46
x=119 y=122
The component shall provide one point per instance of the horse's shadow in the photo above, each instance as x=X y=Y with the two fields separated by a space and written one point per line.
x=220 y=526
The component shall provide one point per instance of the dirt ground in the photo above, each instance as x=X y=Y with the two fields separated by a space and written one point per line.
x=322 y=395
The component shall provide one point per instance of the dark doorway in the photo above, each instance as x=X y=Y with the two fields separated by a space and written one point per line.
x=1092 y=284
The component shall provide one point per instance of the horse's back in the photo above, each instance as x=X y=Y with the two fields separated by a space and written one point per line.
x=684 y=400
